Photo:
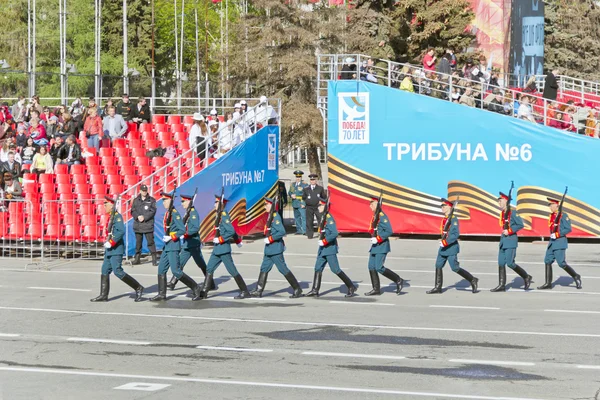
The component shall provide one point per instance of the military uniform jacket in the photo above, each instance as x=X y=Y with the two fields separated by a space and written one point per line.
x=450 y=244
x=297 y=189
x=330 y=240
x=516 y=224
x=276 y=234
x=564 y=228
x=383 y=232
x=175 y=229
x=192 y=228
x=116 y=237
x=311 y=196
x=226 y=232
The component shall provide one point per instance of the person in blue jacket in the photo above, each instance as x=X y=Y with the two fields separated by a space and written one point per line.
x=509 y=241
x=327 y=254
x=174 y=231
x=448 y=251
x=560 y=227
x=298 y=205
x=113 y=255
x=273 y=254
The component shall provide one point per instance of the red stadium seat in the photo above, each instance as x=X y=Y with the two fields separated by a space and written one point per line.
x=34 y=232
x=114 y=179
x=26 y=167
x=50 y=196
x=188 y=119
x=183 y=146
x=72 y=232
x=47 y=188
x=122 y=152
x=139 y=152
x=16 y=208
x=30 y=177
x=79 y=179
x=158 y=119
x=91 y=233
x=179 y=128
x=31 y=187
x=61 y=169
x=91 y=150
x=16 y=230
x=66 y=206
x=116 y=189
x=174 y=119
x=145 y=128
x=110 y=169
x=87 y=208
x=53 y=232
x=131 y=128
x=152 y=144
x=99 y=207
x=119 y=143
x=92 y=161
x=52 y=219
x=181 y=136
x=158 y=162
x=47 y=178
x=167 y=143
x=93 y=169
x=84 y=196
x=72 y=219
x=78 y=169
x=161 y=128
x=134 y=135
x=89 y=219
x=125 y=161
x=109 y=160
x=63 y=179
x=64 y=188
x=96 y=179
x=144 y=170
x=139 y=161
x=107 y=151
x=131 y=180
x=3 y=224
x=99 y=189
x=82 y=188
x=127 y=170
x=135 y=144
x=162 y=136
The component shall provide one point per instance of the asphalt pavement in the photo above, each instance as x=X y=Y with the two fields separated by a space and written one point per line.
x=55 y=344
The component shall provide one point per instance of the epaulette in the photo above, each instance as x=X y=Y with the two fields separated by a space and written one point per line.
x=224 y=213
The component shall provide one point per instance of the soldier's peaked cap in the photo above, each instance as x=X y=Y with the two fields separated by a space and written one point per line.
x=298 y=173
x=218 y=197
x=552 y=201
x=323 y=200
x=186 y=196
x=108 y=199
x=446 y=202
x=269 y=200
x=503 y=196
x=166 y=195
x=313 y=176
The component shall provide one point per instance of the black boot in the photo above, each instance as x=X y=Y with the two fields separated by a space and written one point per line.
x=523 y=274
x=472 y=280
x=392 y=276
x=294 y=284
x=574 y=275
x=104 y=289
x=348 y=282
x=501 y=280
x=213 y=285
x=314 y=292
x=136 y=259
x=154 y=260
x=162 y=289
x=189 y=282
x=244 y=294
x=260 y=285
x=439 y=281
x=548 y=284
x=135 y=285
x=208 y=282
x=376 y=291
x=172 y=283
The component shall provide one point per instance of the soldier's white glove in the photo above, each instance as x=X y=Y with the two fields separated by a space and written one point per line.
x=216 y=240
x=267 y=241
x=441 y=244
x=321 y=243
x=373 y=240
x=107 y=245
x=240 y=244
x=553 y=236
x=166 y=239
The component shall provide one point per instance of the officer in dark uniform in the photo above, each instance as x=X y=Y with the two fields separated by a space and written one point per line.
x=327 y=254
x=113 y=255
x=191 y=245
x=311 y=194
x=448 y=251
x=557 y=247
x=274 y=248
x=174 y=231
x=380 y=247
x=222 y=254
x=298 y=205
x=508 y=246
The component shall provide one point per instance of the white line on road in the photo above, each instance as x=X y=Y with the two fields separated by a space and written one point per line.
x=362 y=303
x=493 y=362
x=574 y=311
x=260 y=384
x=58 y=288
x=374 y=356
x=304 y=323
x=466 y=307
x=131 y=342
x=241 y=349
x=588 y=366
x=9 y=335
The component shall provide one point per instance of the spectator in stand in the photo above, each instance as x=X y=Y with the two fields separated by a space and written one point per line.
x=58 y=143
x=444 y=66
x=198 y=135
x=497 y=105
x=214 y=115
x=551 y=85
x=125 y=108
x=34 y=105
x=114 y=125
x=455 y=96
x=508 y=104
x=348 y=69
x=467 y=98
x=38 y=132
x=42 y=162
x=76 y=112
x=93 y=128
x=244 y=106
x=59 y=111
x=12 y=188
x=429 y=60
x=29 y=151
x=69 y=153
x=557 y=121
x=551 y=110
x=407 y=83
x=109 y=103
x=68 y=128
x=6 y=121
x=591 y=123
x=525 y=111
x=370 y=75
x=46 y=114
x=4 y=151
x=52 y=127
x=236 y=108
x=19 y=109
x=568 y=111
x=452 y=58
x=21 y=138
x=467 y=70
x=141 y=112
x=530 y=86
x=11 y=166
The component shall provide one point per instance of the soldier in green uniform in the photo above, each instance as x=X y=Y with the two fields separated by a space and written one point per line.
x=448 y=251
x=224 y=233
x=191 y=247
x=508 y=245
x=174 y=231
x=113 y=255
x=327 y=254
x=298 y=204
x=380 y=247
x=560 y=227
x=273 y=254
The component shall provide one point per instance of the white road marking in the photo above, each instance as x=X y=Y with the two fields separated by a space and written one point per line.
x=374 y=356
x=303 y=323
x=144 y=387
x=362 y=303
x=240 y=349
x=465 y=307
x=493 y=362
x=574 y=311
x=9 y=335
x=222 y=298
x=588 y=366
x=58 y=288
x=131 y=342
x=260 y=384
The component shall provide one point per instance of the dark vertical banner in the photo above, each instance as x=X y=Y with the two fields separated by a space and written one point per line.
x=526 y=40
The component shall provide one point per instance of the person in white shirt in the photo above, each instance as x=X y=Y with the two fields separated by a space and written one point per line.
x=113 y=125
x=198 y=135
x=525 y=110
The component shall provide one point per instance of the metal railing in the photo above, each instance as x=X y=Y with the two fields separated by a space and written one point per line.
x=17 y=238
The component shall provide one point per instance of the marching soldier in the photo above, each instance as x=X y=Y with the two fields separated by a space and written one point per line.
x=560 y=227
x=380 y=247
x=191 y=246
x=298 y=204
x=222 y=253
x=174 y=231
x=273 y=254
x=310 y=195
x=113 y=255
x=448 y=251
x=327 y=254
x=508 y=245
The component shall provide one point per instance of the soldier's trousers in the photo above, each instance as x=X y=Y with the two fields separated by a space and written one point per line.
x=196 y=253
x=300 y=220
x=559 y=255
x=506 y=257
x=113 y=264
x=214 y=261
x=279 y=262
x=332 y=260
x=170 y=259
x=452 y=260
x=376 y=262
